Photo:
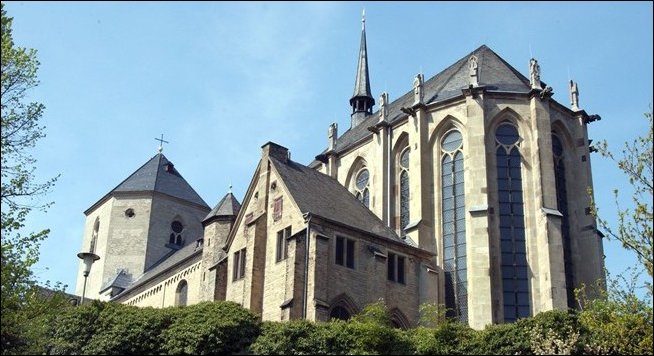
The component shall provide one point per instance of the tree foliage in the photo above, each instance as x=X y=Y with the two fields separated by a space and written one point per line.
x=634 y=225
x=19 y=190
x=226 y=328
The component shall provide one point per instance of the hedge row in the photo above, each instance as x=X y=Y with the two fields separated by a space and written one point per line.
x=227 y=328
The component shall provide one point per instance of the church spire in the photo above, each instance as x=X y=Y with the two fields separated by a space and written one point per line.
x=361 y=101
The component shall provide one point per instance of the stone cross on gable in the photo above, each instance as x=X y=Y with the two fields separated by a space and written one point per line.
x=161 y=142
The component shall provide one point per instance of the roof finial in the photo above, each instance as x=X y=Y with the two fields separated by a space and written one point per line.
x=230 y=188
x=363 y=19
x=161 y=142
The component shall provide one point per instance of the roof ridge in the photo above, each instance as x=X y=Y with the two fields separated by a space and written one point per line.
x=135 y=171
x=156 y=176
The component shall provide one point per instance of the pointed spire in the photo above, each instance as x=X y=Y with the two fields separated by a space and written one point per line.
x=362 y=101
x=227 y=208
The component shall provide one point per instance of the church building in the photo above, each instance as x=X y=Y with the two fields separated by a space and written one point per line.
x=469 y=191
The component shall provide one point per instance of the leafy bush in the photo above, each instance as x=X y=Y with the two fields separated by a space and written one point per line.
x=129 y=330
x=74 y=328
x=367 y=333
x=210 y=328
x=555 y=332
x=299 y=337
x=448 y=338
x=616 y=328
x=502 y=339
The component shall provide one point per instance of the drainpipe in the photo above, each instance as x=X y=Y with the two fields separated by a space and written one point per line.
x=307 y=220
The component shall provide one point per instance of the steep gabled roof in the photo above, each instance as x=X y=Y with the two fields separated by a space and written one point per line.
x=159 y=175
x=324 y=196
x=494 y=73
x=228 y=206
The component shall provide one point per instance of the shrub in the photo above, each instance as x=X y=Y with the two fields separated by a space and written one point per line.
x=210 y=328
x=291 y=338
x=129 y=330
x=502 y=339
x=617 y=328
x=449 y=338
x=74 y=328
x=555 y=332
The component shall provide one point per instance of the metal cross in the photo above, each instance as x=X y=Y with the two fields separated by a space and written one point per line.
x=161 y=142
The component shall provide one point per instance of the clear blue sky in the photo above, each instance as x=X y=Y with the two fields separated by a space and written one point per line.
x=221 y=79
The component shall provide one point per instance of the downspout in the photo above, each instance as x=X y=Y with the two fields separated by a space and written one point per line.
x=307 y=220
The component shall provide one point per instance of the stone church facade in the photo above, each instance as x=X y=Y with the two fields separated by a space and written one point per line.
x=468 y=191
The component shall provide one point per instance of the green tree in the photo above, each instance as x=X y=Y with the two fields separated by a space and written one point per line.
x=20 y=132
x=634 y=226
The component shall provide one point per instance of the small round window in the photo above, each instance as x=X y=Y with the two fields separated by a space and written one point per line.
x=129 y=213
x=177 y=226
x=507 y=134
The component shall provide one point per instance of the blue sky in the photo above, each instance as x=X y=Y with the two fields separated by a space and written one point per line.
x=221 y=79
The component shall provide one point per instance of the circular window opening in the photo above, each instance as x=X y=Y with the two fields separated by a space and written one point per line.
x=507 y=134
x=129 y=213
x=177 y=226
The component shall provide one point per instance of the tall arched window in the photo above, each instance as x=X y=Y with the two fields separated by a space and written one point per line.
x=361 y=187
x=181 y=293
x=454 y=227
x=176 y=234
x=562 y=204
x=404 y=189
x=94 y=235
x=515 y=279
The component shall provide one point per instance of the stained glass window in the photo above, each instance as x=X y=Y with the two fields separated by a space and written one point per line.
x=176 y=236
x=404 y=190
x=362 y=187
x=454 y=231
x=562 y=204
x=514 y=268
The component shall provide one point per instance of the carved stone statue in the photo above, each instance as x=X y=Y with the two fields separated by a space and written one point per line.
x=574 y=96
x=534 y=74
x=472 y=66
x=383 y=106
x=417 y=89
x=332 y=134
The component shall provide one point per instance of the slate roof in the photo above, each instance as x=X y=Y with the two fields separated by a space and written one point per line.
x=227 y=206
x=493 y=72
x=324 y=196
x=122 y=280
x=167 y=262
x=153 y=176
x=362 y=82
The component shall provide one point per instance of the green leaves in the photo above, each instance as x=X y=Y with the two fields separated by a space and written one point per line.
x=635 y=224
x=20 y=132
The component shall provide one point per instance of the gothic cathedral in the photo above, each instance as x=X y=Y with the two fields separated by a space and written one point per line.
x=468 y=191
